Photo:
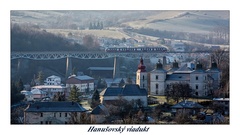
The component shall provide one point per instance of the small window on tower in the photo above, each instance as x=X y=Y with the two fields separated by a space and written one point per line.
x=196 y=86
x=156 y=77
x=156 y=86
x=143 y=77
x=196 y=77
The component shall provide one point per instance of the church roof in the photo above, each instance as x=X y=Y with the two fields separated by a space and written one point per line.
x=213 y=68
x=141 y=66
x=158 y=68
x=127 y=90
x=199 y=69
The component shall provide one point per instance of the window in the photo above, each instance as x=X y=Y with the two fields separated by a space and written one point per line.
x=196 y=77
x=156 y=86
x=156 y=77
x=41 y=115
x=60 y=115
x=41 y=122
x=143 y=77
x=196 y=86
x=143 y=86
x=65 y=114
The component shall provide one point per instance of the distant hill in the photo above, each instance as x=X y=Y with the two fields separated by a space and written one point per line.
x=202 y=21
x=184 y=21
x=30 y=38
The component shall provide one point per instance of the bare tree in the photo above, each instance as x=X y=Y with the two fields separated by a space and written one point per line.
x=221 y=57
x=178 y=91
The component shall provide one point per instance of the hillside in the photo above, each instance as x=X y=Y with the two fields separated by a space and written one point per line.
x=184 y=21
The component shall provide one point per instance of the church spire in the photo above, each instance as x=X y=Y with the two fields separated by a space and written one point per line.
x=141 y=66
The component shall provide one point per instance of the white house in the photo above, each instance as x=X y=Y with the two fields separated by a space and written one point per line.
x=51 y=90
x=53 y=80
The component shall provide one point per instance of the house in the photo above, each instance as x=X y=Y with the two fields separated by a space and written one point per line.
x=38 y=94
x=130 y=92
x=53 y=80
x=99 y=114
x=53 y=113
x=51 y=90
x=83 y=82
x=189 y=107
x=28 y=95
x=102 y=72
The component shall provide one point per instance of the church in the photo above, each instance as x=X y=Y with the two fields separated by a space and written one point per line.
x=201 y=81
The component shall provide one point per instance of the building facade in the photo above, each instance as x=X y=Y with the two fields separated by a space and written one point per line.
x=53 y=113
x=82 y=82
x=130 y=92
x=52 y=80
x=201 y=81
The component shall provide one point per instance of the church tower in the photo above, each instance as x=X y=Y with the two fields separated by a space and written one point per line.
x=157 y=80
x=141 y=75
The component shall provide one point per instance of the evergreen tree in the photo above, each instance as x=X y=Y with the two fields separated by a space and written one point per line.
x=122 y=83
x=94 y=26
x=16 y=96
x=95 y=99
x=20 y=85
x=74 y=94
x=90 y=26
x=98 y=25
x=40 y=77
x=101 y=26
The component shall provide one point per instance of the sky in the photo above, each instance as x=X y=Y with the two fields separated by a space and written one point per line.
x=6 y=6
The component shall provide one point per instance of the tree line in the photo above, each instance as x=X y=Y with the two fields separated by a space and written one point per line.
x=30 y=38
x=96 y=26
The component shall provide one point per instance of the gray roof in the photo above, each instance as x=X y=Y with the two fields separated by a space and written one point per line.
x=184 y=68
x=159 y=71
x=84 y=77
x=127 y=90
x=100 y=109
x=187 y=105
x=178 y=77
x=100 y=68
x=55 y=107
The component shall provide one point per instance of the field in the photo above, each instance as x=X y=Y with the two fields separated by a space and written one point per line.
x=184 y=21
x=196 y=21
x=98 y=33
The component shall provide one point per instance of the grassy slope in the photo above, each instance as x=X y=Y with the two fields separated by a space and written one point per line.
x=171 y=20
x=184 y=21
